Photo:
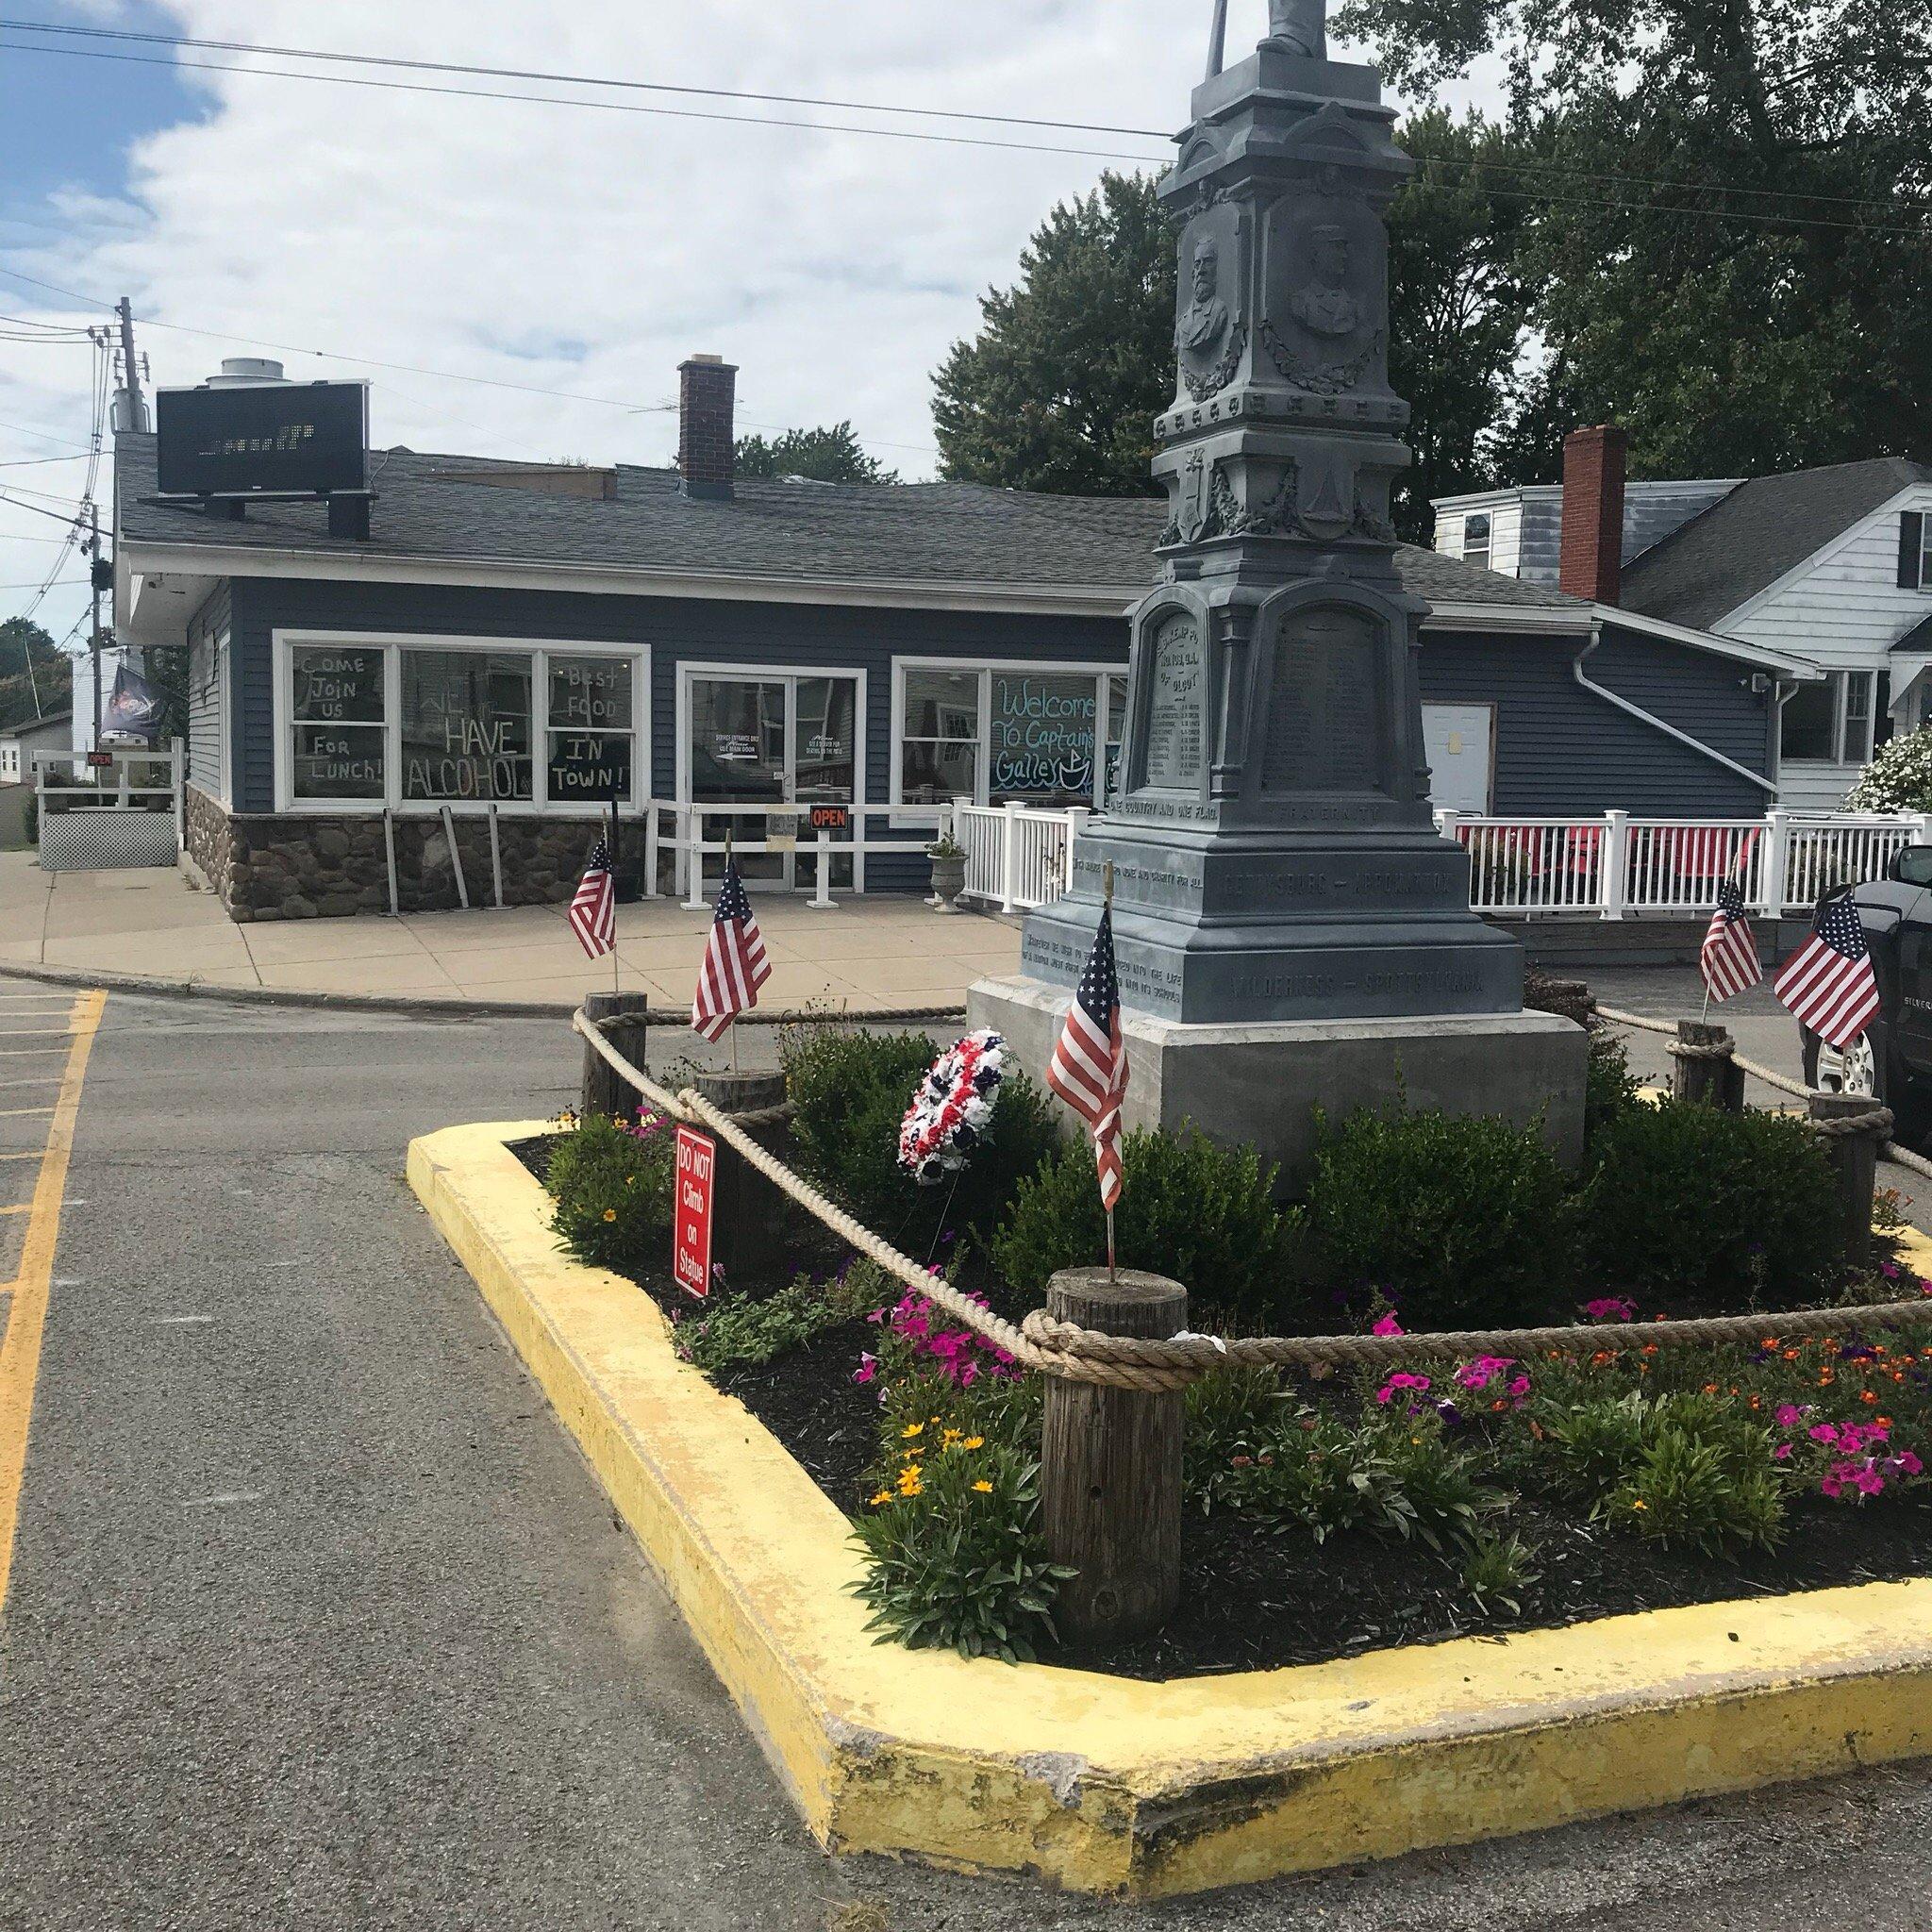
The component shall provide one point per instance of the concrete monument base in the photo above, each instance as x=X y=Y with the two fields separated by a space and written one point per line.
x=1261 y=1082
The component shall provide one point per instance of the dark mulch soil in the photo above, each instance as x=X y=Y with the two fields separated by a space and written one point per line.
x=1254 y=1598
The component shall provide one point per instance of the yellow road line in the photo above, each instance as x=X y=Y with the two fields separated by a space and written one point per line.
x=20 y=1352
x=25 y=1208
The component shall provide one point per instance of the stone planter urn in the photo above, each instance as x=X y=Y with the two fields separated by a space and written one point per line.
x=948 y=878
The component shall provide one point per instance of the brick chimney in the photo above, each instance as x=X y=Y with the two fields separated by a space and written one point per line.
x=707 y=438
x=1593 y=553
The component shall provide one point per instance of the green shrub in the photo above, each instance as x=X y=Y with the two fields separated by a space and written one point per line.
x=849 y=1094
x=1723 y=1208
x=1229 y=1414
x=611 y=1196
x=1392 y=1473
x=1609 y=1087
x=955 y=1558
x=1498 y=1571
x=1201 y=1214
x=1460 y=1223
x=1686 y=1468
x=734 y=1331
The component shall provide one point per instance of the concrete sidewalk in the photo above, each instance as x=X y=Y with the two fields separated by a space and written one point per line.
x=884 y=951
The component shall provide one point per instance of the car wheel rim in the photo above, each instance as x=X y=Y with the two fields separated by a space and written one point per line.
x=1853 y=1070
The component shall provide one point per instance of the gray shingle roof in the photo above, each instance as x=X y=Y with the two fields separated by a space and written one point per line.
x=960 y=534
x=1763 y=528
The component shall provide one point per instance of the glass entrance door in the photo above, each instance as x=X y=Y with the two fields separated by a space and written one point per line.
x=781 y=739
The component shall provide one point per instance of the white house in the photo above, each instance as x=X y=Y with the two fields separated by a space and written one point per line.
x=1833 y=566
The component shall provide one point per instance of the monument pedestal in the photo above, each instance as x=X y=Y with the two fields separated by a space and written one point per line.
x=1260 y=1081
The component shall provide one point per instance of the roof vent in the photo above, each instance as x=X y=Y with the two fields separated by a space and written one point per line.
x=246 y=372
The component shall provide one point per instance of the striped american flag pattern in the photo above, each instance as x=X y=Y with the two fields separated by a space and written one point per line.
x=1828 y=983
x=594 y=911
x=735 y=964
x=1728 y=958
x=1088 y=1068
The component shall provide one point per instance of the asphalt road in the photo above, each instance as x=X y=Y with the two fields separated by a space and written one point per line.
x=318 y=1620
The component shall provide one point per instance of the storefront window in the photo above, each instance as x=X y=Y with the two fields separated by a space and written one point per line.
x=466 y=727
x=1043 y=738
x=590 y=731
x=337 y=707
x=1116 y=735
x=939 y=755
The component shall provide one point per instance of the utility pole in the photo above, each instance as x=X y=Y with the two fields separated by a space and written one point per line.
x=130 y=369
x=93 y=510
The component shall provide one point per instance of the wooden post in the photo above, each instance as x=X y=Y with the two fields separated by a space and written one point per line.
x=747 y=1210
x=603 y=1092
x=1704 y=1072
x=1110 y=1467
x=1855 y=1156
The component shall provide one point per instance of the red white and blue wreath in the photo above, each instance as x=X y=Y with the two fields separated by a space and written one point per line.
x=953 y=1109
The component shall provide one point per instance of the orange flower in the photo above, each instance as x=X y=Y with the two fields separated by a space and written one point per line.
x=1868 y=1395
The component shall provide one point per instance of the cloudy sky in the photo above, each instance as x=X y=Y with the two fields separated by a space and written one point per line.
x=578 y=250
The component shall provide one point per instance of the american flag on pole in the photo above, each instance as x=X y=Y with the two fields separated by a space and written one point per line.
x=1828 y=982
x=594 y=911
x=1728 y=958
x=1089 y=1065
x=735 y=965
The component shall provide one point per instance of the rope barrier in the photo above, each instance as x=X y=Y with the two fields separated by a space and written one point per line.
x=1054 y=1347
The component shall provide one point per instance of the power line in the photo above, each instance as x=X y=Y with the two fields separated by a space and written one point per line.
x=406 y=64
x=655 y=86
x=475 y=93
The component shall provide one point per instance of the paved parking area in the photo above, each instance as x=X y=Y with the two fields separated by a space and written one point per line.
x=884 y=950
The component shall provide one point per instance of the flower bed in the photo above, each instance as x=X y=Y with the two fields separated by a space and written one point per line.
x=1328 y=1516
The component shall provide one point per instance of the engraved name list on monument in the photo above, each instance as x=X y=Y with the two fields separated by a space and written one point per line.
x=1175 y=748
x=1324 y=705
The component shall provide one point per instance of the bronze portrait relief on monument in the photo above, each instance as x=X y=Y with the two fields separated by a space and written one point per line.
x=1326 y=266
x=1210 y=334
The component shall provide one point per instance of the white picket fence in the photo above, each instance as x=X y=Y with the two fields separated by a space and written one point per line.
x=1611 y=867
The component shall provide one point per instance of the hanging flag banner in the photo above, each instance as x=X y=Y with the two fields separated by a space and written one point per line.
x=690 y=1227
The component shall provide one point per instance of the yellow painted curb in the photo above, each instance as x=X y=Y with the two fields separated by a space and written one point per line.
x=1100 y=1784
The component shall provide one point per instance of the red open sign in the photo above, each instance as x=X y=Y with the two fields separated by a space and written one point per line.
x=101 y=761
x=831 y=818
x=690 y=1225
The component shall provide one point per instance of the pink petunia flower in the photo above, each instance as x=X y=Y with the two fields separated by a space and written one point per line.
x=1387 y=1325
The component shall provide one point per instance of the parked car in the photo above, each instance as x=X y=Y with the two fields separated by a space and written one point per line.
x=1892 y=1059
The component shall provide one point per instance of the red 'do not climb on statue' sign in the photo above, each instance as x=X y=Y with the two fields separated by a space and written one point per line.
x=691 y=1223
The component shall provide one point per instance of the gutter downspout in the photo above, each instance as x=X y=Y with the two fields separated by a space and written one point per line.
x=1656 y=724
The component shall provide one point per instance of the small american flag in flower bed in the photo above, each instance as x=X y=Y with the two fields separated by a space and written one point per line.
x=1828 y=983
x=1728 y=959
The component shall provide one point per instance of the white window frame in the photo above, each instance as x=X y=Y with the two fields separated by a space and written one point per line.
x=1845 y=756
x=392 y=644
x=985 y=669
x=1488 y=520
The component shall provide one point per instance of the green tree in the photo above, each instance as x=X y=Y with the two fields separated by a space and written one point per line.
x=826 y=456
x=1458 y=310
x=1060 y=389
x=24 y=645
x=1726 y=220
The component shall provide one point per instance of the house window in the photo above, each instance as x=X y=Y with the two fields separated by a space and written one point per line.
x=340 y=723
x=1914 y=550
x=590 y=719
x=1009 y=733
x=1475 y=542
x=1830 y=723
x=939 y=755
x=447 y=722
x=466 y=728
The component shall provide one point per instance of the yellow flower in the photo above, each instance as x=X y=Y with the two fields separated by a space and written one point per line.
x=973 y=1443
x=909 y=1484
x=985 y=1489
x=883 y=1497
x=610 y=1214
x=913 y=1429
x=951 y=1437
x=1637 y=1502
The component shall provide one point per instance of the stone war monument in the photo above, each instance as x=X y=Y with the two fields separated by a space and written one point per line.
x=1291 y=930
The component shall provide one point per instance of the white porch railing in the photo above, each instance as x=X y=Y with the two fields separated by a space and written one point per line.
x=1613 y=867
x=1620 y=866
x=693 y=833
x=1017 y=857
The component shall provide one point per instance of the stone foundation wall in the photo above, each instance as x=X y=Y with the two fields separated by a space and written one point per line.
x=268 y=866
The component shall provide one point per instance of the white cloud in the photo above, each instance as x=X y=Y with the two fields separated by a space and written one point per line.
x=589 y=251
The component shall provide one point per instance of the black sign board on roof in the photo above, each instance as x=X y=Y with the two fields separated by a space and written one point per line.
x=298 y=439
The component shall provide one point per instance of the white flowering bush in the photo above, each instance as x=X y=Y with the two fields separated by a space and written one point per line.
x=1899 y=778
